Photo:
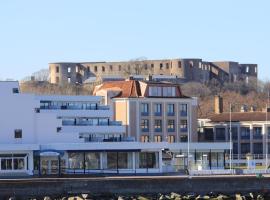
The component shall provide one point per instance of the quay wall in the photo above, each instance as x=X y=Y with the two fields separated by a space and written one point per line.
x=37 y=187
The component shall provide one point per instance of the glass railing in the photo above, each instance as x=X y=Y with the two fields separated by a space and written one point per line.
x=90 y=123
x=74 y=108
x=112 y=139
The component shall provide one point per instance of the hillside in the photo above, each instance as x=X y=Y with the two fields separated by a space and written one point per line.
x=238 y=93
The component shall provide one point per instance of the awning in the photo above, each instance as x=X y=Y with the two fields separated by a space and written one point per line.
x=49 y=153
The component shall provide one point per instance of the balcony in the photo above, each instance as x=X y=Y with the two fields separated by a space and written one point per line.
x=144 y=113
x=94 y=129
x=145 y=129
x=170 y=113
x=111 y=139
x=183 y=113
x=171 y=129
x=183 y=129
x=73 y=122
x=158 y=113
x=77 y=107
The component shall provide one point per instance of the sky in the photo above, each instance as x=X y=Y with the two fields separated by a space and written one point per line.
x=35 y=33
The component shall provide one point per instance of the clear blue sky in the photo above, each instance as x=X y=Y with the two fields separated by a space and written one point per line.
x=34 y=33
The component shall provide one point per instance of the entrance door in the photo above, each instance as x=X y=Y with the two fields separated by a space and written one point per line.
x=49 y=166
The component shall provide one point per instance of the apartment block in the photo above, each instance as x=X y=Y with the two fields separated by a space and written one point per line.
x=250 y=132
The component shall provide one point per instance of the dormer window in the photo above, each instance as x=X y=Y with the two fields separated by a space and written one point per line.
x=155 y=91
x=162 y=91
x=168 y=91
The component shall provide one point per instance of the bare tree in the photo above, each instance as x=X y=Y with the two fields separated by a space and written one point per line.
x=137 y=66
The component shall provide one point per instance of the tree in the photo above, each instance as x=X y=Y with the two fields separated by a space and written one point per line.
x=137 y=66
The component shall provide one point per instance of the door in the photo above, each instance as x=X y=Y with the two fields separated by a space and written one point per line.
x=49 y=166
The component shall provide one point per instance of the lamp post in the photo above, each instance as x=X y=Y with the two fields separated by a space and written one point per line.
x=230 y=137
x=266 y=132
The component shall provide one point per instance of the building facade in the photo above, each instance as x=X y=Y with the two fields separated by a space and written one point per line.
x=179 y=70
x=250 y=133
x=157 y=112
x=55 y=135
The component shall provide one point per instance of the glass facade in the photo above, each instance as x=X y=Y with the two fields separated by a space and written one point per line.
x=147 y=160
x=12 y=162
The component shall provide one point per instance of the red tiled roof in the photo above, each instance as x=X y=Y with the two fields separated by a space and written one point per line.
x=132 y=88
x=129 y=89
x=239 y=116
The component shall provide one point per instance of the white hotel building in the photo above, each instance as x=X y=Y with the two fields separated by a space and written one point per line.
x=43 y=135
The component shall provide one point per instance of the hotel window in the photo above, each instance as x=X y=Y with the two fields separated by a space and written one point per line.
x=103 y=68
x=257 y=148
x=145 y=125
x=157 y=138
x=158 y=125
x=95 y=68
x=77 y=69
x=171 y=138
x=234 y=133
x=6 y=163
x=160 y=66
x=170 y=109
x=144 y=138
x=245 y=133
x=69 y=79
x=158 y=109
x=168 y=91
x=155 y=91
x=111 y=67
x=148 y=160
x=235 y=148
x=69 y=69
x=167 y=65
x=183 y=138
x=57 y=69
x=183 y=126
x=15 y=90
x=152 y=65
x=268 y=131
x=171 y=125
x=183 y=110
x=119 y=67
x=245 y=148
x=18 y=134
x=145 y=109
x=220 y=134
x=88 y=69
x=257 y=132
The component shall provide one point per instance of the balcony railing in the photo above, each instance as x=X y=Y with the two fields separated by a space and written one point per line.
x=53 y=107
x=112 y=139
x=183 y=113
x=90 y=123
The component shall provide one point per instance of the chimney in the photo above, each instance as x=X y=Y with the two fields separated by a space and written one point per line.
x=218 y=104
x=243 y=108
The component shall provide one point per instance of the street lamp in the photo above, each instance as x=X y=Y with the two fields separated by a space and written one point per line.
x=230 y=137
x=266 y=132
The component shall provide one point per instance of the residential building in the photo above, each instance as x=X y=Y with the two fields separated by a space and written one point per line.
x=155 y=112
x=250 y=132
x=174 y=70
